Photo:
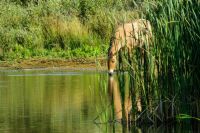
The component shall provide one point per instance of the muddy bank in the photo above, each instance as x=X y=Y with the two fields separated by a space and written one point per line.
x=73 y=64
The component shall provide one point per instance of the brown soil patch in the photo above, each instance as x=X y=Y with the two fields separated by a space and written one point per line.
x=79 y=64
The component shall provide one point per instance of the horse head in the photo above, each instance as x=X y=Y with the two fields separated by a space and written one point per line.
x=112 y=60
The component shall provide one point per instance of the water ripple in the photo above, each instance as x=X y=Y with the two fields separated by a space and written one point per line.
x=46 y=74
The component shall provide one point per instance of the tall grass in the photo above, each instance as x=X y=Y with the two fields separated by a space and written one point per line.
x=173 y=87
x=59 y=28
x=167 y=80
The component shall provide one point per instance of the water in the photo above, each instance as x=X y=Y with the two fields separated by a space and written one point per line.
x=47 y=101
x=44 y=101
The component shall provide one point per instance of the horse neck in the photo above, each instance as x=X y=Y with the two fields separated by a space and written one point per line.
x=113 y=46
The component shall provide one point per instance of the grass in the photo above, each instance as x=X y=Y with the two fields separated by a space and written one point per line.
x=43 y=29
x=77 y=29
x=175 y=54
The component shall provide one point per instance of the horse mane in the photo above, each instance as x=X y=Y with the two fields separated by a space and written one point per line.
x=110 y=45
x=112 y=39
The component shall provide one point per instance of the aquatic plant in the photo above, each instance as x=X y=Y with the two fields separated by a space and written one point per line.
x=166 y=79
x=169 y=73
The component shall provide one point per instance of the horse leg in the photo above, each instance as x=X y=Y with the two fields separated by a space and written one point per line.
x=120 y=60
x=131 y=70
x=130 y=56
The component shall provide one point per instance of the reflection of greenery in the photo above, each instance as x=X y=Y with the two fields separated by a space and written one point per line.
x=152 y=112
x=47 y=103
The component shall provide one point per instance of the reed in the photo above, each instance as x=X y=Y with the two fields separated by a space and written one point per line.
x=170 y=72
x=166 y=79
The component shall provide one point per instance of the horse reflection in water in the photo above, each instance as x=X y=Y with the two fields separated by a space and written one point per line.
x=121 y=105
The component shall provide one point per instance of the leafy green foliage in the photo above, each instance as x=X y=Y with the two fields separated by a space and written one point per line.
x=71 y=26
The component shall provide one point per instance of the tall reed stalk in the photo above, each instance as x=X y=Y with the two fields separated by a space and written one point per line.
x=170 y=71
x=167 y=79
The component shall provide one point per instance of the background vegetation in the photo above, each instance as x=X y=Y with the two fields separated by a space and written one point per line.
x=59 y=28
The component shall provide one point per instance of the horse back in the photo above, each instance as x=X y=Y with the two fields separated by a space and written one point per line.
x=133 y=32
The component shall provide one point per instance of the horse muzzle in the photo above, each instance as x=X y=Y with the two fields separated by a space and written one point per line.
x=110 y=72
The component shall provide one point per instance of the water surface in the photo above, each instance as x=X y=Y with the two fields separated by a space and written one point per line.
x=45 y=101
x=48 y=101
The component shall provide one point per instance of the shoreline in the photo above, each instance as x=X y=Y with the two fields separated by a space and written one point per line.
x=55 y=64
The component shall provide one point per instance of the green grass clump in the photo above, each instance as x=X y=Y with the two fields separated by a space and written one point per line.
x=27 y=30
x=70 y=26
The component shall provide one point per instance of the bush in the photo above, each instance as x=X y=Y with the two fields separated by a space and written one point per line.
x=67 y=25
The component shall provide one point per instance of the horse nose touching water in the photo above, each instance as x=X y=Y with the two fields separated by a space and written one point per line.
x=129 y=35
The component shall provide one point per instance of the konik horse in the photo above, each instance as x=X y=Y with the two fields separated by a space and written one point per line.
x=129 y=35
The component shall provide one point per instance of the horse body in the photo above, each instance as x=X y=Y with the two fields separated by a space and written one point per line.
x=129 y=35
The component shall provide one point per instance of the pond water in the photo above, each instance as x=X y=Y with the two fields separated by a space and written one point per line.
x=51 y=101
